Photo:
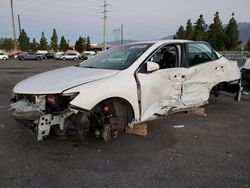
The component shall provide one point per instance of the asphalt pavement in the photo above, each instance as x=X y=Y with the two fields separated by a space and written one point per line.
x=208 y=151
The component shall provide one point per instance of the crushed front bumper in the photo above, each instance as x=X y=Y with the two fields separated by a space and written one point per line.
x=38 y=121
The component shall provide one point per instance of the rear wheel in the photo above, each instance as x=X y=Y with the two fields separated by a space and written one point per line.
x=4 y=58
x=75 y=58
x=21 y=58
x=38 y=59
x=63 y=58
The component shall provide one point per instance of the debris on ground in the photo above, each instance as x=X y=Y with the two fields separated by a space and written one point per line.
x=178 y=126
x=138 y=129
x=2 y=126
x=200 y=111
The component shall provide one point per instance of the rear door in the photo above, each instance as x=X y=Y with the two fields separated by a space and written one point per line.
x=205 y=71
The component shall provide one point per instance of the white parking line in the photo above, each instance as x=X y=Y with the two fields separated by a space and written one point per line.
x=245 y=93
x=2 y=107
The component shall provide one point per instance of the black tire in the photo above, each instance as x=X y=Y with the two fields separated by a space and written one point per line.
x=38 y=59
x=63 y=58
x=121 y=114
x=4 y=58
x=21 y=58
x=75 y=58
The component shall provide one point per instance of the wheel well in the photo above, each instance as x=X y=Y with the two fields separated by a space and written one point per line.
x=117 y=101
x=231 y=87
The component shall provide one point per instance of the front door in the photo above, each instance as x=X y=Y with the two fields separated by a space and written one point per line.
x=161 y=90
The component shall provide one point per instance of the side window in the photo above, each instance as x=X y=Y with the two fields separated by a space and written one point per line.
x=199 y=53
x=166 y=57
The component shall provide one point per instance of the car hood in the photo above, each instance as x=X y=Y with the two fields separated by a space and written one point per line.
x=59 y=80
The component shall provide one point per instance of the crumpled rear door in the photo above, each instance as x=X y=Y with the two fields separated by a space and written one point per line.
x=200 y=80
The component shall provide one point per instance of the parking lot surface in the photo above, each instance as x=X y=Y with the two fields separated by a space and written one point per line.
x=209 y=151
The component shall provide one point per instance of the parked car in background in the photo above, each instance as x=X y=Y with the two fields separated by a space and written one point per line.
x=123 y=86
x=49 y=55
x=14 y=55
x=42 y=52
x=245 y=73
x=31 y=56
x=87 y=55
x=69 y=56
x=57 y=54
x=3 y=56
x=41 y=55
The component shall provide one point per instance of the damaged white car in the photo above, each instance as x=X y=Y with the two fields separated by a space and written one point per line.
x=122 y=86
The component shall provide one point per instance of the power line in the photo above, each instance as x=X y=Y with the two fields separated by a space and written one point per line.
x=118 y=35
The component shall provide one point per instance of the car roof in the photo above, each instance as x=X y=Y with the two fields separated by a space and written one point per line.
x=162 y=41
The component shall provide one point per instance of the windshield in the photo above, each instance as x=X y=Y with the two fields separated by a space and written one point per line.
x=117 y=58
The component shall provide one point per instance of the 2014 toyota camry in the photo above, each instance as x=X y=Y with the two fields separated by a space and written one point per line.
x=122 y=86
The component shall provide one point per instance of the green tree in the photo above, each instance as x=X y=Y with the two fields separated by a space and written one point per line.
x=247 y=47
x=80 y=45
x=33 y=45
x=88 y=46
x=54 y=41
x=200 y=29
x=63 y=44
x=189 y=30
x=216 y=33
x=1 y=43
x=180 y=34
x=43 y=42
x=23 y=41
x=6 y=44
x=231 y=34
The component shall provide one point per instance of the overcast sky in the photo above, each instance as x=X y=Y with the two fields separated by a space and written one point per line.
x=142 y=19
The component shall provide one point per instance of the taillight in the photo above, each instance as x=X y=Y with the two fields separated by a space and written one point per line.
x=106 y=108
x=51 y=99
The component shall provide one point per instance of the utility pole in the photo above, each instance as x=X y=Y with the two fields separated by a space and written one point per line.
x=104 y=24
x=13 y=26
x=19 y=24
x=122 y=34
x=117 y=35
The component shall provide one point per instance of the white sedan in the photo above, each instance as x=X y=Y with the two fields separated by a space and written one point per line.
x=123 y=86
x=69 y=56
x=3 y=56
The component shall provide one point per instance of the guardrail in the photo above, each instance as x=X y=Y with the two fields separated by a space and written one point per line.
x=239 y=56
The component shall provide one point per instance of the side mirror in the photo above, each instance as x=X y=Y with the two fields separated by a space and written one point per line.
x=152 y=66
